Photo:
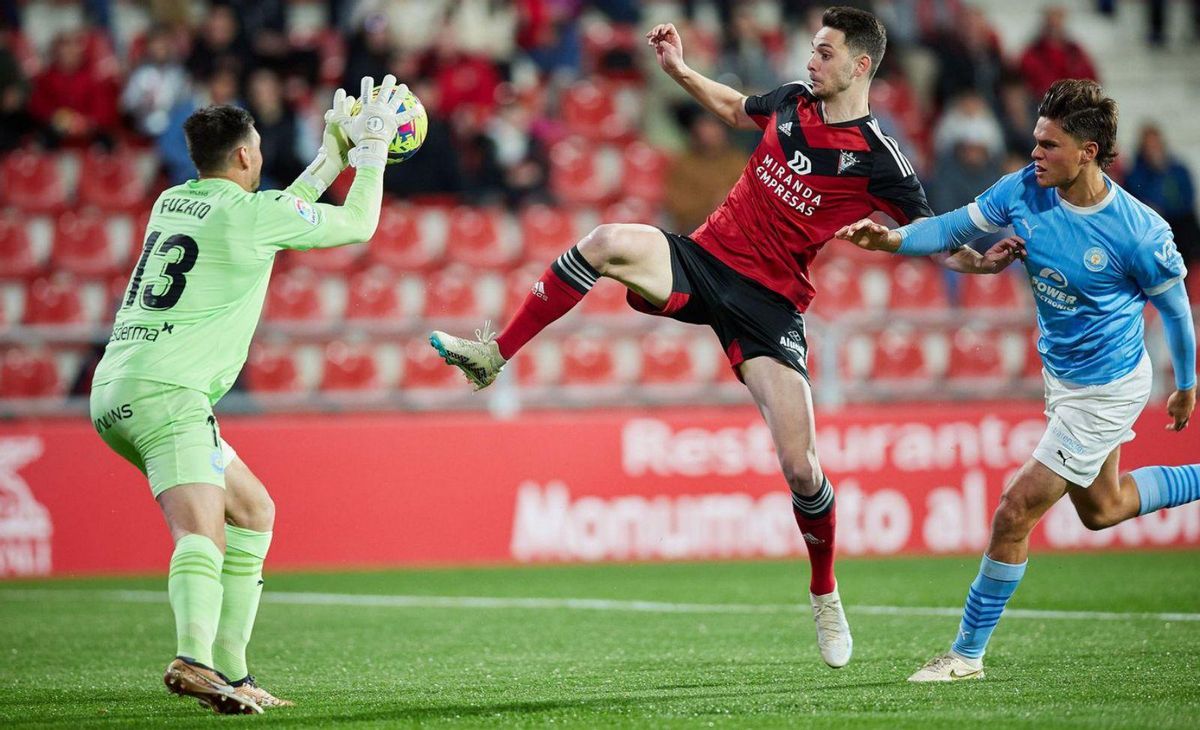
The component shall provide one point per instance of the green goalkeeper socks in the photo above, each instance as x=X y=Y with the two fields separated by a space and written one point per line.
x=194 y=589
x=241 y=577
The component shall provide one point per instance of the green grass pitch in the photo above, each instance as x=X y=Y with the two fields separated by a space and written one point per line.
x=709 y=645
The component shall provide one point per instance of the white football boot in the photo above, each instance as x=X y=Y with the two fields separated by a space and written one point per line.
x=478 y=359
x=833 y=633
x=948 y=667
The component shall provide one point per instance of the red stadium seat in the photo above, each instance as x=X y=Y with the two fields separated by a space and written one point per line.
x=630 y=210
x=588 y=360
x=339 y=259
x=839 y=289
x=112 y=181
x=54 y=300
x=917 y=285
x=539 y=364
x=644 y=171
x=450 y=293
x=546 y=232
x=975 y=354
x=29 y=374
x=576 y=173
x=1033 y=358
x=81 y=245
x=607 y=299
x=294 y=296
x=898 y=356
x=589 y=109
x=478 y=238
x=425 y=369
x=401 y=240
x=32 y=182
x=16 y=251
x=374 y=294
x=666 y=360
x=273 y=369
x=349 y=367
x=1002 y=291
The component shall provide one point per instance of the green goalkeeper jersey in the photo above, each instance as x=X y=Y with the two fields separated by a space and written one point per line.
x=195 y=297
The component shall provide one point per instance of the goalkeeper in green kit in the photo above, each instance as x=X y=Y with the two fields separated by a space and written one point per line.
x=181 y=336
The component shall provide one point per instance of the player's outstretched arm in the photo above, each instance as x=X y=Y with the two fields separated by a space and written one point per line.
x=289 y=221
x=727 y=103
x=967 y=260
x=1176 y=313
x=331 y=156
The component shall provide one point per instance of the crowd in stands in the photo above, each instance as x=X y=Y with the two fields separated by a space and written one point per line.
x=536 y=102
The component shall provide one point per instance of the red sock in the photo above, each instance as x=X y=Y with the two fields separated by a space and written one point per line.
x=552 y=296
x=818 y=535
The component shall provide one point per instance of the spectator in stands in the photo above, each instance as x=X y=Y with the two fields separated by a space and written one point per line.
x=369 y=51
x=519 y=153
x=744 y=55
x=1160 y=180
x=278 y=126
x=14 y=90
x=548 y=33
x=465 y=81
x=1017 y=112
x=700 y=178
x=1053 y=55
x=72 y=102
x=968 y=117
x=217 y=45
x=157 y=84
x=222 y=88
x=435 y=169
x=969 y=59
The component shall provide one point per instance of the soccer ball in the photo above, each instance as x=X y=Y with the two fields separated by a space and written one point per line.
x=410 y=136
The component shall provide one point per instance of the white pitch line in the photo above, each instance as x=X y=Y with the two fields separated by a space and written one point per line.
x=577 y=604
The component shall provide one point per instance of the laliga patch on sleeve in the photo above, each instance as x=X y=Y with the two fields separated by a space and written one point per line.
x=308 y=212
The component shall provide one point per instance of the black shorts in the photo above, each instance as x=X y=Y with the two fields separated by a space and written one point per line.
x=750 y=319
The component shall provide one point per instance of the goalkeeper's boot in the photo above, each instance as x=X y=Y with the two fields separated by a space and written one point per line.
x=948 y=667
x=833 y=633
x=478 y=359
x=249 y=689
x=188 y=678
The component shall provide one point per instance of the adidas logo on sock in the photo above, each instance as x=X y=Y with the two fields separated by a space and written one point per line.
x=539 y=290
x=812 y=539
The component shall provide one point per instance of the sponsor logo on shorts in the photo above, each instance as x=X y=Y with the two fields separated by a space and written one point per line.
x=1095 y=259
x=218 y=461
x=1064 y=457
x=112 y=416
x=793 y=341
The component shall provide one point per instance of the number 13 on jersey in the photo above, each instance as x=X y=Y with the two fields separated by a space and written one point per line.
x=174 y=271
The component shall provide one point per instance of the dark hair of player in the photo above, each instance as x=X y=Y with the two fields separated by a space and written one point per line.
x=1080 y=107
x=213 y=133
x=864 y=33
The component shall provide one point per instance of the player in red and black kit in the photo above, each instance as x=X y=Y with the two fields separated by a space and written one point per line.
x=822 y=163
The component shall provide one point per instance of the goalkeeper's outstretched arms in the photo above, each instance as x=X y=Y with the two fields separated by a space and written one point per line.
x=293 y=219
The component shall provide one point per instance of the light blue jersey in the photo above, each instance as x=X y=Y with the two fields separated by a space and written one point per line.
x=1091 y=270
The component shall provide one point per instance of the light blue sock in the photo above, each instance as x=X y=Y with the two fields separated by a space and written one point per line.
x=1166 y=486
x=992 y=588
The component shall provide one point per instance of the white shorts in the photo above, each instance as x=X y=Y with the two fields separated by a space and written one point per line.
x=1086 y=422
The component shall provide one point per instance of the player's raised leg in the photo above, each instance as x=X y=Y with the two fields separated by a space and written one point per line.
x=636 y=255
x=250 y=518
x=785 y=401
x=1032 y=491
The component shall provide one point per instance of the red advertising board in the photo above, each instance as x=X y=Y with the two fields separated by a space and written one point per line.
x=362 y=490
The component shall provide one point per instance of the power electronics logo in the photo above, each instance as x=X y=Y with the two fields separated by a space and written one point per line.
x=25 y=526
x=1051 y=287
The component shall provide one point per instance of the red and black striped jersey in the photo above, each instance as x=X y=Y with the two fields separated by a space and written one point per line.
x=805 y=180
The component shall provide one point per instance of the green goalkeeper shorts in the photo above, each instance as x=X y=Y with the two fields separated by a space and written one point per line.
x=168 y=432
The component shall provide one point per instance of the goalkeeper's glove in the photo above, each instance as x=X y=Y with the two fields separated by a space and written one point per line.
x=373 y=128
x=331 y=158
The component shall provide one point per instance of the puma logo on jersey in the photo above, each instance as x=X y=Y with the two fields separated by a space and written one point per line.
x=1028 y=226
x=800 y=164
x=786 y=128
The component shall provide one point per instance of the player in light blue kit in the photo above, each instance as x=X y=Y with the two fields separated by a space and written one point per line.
x=1094 y=256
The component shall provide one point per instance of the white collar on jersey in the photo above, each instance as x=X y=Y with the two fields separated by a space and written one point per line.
x=1094 y=208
